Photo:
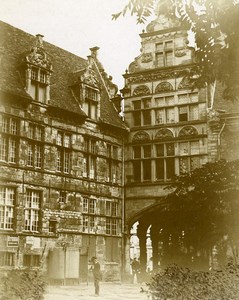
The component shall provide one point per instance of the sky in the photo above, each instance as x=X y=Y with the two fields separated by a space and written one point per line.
x=77 y=25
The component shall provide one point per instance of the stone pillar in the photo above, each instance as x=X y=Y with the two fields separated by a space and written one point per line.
x=141 y=234
x=154 y=235
x=127 y=253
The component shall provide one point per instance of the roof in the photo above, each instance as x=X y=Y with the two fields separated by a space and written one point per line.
x=15 y=43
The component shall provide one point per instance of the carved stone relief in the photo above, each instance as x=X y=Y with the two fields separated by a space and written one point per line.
x=163 y=134
x=141 y=90
x=185 y=84
x=163 y=87
x=141 y=136
x=188 y=131
x=147 y=57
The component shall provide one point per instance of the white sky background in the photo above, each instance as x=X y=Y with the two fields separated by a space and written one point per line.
x=77 y=25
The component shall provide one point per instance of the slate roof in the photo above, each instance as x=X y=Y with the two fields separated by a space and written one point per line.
x=15 y=42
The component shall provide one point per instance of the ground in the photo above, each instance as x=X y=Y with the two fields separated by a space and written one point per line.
x=108 y=291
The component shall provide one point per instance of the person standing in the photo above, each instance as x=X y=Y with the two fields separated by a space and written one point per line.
x=97 y=275
x=135 y=269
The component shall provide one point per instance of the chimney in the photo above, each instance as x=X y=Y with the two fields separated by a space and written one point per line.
x=94 y=51
x=39 y=40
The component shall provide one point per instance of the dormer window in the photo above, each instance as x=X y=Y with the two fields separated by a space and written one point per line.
x=38 y=71
x=91 y=102
x=38 y=85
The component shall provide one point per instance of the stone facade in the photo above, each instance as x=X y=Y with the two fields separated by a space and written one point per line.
x=61 y=160
x=173 y=128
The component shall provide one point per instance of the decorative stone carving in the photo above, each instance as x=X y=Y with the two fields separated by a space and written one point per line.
x=180 y=51
x=163 y=134
x=38 y=55
x=188 y=131
x=89 y=77
x=141 y=136
x=163 y=87
x=213 y=115
x=185 y=84
x=141 y=90
x=156 y=76
x=133 y=67
x=147 y=57
x=162 y=22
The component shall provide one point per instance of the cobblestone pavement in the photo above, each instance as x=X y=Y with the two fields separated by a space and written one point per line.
x=108 y=291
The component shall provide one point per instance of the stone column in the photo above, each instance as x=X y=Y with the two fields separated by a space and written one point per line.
x=127 y=253
x=141 y=234
x=154 y=235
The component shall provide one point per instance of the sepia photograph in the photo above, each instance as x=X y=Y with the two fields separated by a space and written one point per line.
x=119 y=149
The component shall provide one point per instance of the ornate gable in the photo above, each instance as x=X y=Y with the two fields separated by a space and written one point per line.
x=38 y=56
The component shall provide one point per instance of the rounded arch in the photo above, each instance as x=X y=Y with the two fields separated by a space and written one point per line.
x=163 y=87
x=141 y=136
x=188 y=131
x=163 y=134
x=141 y=90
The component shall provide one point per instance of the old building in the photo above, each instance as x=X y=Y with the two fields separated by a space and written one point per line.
x=61 y=160
x=173 y=129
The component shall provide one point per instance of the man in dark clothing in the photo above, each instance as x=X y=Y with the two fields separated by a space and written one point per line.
x=97 y=275
x=135 y=269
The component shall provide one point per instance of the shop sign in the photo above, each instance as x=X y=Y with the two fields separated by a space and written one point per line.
x=12 y=241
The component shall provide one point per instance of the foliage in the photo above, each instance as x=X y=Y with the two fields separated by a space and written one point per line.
x=201 y=212
x=175 y=283
x=215 y=27
x=23 y=284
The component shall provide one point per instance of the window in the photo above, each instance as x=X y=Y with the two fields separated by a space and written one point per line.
x=111 y=209
x=52 y=226
x=62 y=196
x=85 y=205
x=112 y=169
x=32 y=210
x=7 y=259
x=38 y=85
x=165 y=161
x=8 y=139
x=7 y=199
x=92 y=225
x=31 y=260
x=142 y=112
x=164 y=54
x=89 y=161
x=85 y=223
x=92 y=204
x=91 y=102
x=34 y=148
x=63 y=155
x=142 y=163
x=111 y=226
x=164 y=114
x=189 y=111
x=189 y=159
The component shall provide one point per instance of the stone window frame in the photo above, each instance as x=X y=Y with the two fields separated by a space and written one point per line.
x=162 y=52
x=9 y=141
x=142 y=162
x=90 y=158
x=142 y=111
x=92 y=96
x=63 y=152
x=38 y=84
x=32 y=210
x=7 y=207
